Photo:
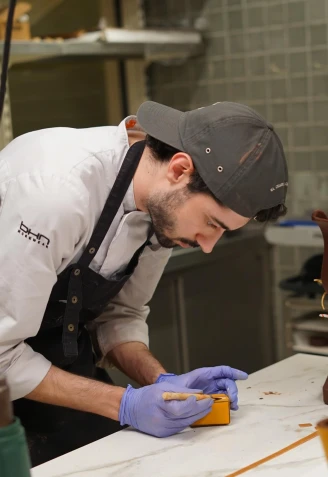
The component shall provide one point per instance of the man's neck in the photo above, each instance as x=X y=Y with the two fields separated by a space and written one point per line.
x=135 y=136
x=143 y=181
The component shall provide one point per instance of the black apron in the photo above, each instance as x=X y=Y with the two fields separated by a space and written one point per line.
x=79 y=296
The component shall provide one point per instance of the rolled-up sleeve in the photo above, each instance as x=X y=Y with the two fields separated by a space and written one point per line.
x=41 y=221
x=125 y=317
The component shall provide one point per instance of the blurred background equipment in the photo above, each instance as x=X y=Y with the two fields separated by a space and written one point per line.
x=8 y=23
x=21 y=22
x=304 y=284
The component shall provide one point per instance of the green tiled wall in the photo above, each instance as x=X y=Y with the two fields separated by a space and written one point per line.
x=273 y=56
x=269 y=54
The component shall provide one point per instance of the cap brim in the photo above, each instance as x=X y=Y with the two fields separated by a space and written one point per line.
x=161 y=122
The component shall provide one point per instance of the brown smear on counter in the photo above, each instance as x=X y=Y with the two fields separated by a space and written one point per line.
x=306 y=424
x=273 y=456
x=271 y=392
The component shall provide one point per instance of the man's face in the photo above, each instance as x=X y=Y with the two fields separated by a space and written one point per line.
x=188 y=219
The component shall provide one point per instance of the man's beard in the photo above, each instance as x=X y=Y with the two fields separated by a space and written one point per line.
x=161 y=208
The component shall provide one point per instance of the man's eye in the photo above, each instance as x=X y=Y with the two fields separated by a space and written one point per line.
x=211 y=225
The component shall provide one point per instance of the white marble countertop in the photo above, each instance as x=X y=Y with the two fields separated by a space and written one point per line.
x=263 y=425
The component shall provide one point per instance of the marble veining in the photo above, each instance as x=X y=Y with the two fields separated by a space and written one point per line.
x=260 y=428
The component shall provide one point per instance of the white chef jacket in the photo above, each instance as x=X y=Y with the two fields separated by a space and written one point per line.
x=53 y=186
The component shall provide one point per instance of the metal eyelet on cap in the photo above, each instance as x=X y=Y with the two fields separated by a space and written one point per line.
x=77 y=272
x=208 y=150
x=70 y=327
x=220 y=169
x=74 y=299
x=92 y=250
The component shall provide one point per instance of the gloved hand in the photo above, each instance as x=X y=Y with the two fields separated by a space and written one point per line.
x=216 y=380
x=146 y=410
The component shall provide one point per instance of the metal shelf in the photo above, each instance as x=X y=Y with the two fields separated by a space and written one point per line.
x=322 y=350
x=304 y=304
x=298 y=329
x=115 y=43
x=301 y=334
x=152 y=45
x=316 y=325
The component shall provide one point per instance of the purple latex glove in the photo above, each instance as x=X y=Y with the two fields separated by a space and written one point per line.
x=216 y=380
x=146 y=410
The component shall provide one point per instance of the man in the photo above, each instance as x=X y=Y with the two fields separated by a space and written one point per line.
x=88 y=219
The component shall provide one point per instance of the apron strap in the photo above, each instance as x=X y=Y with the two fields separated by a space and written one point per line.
x=321 y=219
x=72 y=314
x=135 y=258
x=113 y=201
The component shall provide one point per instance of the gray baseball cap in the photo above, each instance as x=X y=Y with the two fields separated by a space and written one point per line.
x=235 y=150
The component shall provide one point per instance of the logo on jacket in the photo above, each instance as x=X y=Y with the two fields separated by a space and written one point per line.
x=27 y=232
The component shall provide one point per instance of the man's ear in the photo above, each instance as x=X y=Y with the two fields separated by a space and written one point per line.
x=180 y=168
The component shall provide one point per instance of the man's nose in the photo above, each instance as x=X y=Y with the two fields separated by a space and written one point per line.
x=207 y=243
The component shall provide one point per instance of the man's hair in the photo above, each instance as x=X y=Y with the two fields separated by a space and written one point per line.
x=162 y=152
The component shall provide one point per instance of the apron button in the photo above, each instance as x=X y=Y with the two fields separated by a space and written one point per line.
x=77 y=272
x=70 y=327
x=74 y=299
x=92 y=250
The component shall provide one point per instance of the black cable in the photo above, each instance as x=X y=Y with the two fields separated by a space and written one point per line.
x=6 y=53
